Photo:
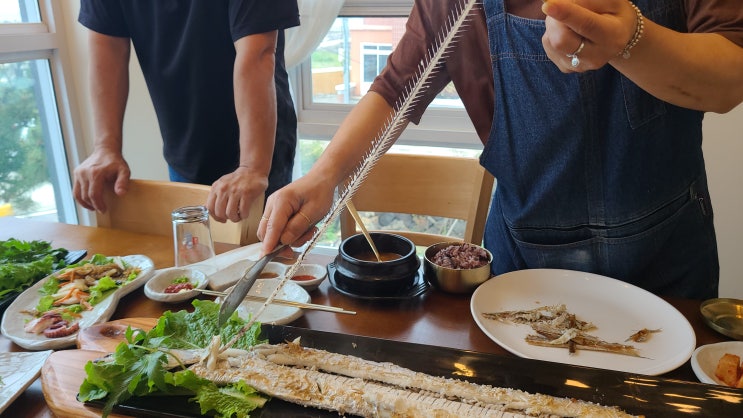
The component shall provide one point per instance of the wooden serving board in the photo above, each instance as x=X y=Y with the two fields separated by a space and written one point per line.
x=64 y=370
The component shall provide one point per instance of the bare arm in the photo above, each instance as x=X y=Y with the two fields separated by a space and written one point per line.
x=109 y=88
x=313 y=193
x=699 y=71
x=255 y=105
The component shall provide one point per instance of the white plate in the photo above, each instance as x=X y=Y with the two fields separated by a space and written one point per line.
x=618 y=310
x=228 y=276
x=155 y=287
x=18 y=371
x=705 y=358
x=274 y=314
x=15 y=319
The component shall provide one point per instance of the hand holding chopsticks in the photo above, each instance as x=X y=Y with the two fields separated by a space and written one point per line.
x=283 y=302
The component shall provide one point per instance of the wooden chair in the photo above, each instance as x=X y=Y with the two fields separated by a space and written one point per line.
x=147 y=206
x=450 y=187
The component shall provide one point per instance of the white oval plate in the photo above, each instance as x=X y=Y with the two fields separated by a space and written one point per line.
x=618 y=310
x=18 y=371
x=15 y=319
x=229 y=275
x=274 y=314
x=155 y=287
x=705 y=358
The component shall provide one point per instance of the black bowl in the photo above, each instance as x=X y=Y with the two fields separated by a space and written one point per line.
x=375 y=278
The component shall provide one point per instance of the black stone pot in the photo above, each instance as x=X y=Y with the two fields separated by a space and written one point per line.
x=374 y=278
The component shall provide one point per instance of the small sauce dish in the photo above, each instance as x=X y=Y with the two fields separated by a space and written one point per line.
x=309 y=276
x=705 y=358
x=164 y=285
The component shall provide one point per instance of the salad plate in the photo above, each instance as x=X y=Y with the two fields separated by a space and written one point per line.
x=17 y=315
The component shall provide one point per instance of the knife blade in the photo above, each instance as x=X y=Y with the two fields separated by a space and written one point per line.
x=242 y=287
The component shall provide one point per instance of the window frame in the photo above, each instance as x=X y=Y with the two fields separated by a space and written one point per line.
x=44 y=41
x=439 y=127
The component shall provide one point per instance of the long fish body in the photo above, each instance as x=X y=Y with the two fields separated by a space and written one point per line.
x=351 y=385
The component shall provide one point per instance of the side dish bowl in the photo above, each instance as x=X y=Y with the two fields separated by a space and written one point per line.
x=705 y=358
x=309 y=276
x=454 y=280
x=155 y=288
x=724 y=316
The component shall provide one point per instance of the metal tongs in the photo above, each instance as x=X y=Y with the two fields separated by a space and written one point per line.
x=242 y=287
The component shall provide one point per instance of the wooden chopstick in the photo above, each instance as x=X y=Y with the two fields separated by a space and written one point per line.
x=283 y=302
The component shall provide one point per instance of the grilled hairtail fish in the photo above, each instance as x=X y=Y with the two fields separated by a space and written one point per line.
x=351 y=385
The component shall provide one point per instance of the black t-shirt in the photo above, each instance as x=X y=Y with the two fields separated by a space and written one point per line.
x=186 y=51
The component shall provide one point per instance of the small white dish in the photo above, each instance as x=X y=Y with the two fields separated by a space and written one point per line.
x=228 y=276
x=705 y=358
x=274 y=314
x=155 y=287
x=318 y=272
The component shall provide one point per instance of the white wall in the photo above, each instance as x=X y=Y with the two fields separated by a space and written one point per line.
x=723 y=148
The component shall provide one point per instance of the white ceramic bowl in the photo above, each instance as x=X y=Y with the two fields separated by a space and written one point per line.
x=318 y=272
x=705 y=358
x=155 y=287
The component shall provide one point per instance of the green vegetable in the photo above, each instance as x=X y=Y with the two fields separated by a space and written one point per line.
x=136 y=368
x=179 y=280
x=103 y=287
x=23 y=263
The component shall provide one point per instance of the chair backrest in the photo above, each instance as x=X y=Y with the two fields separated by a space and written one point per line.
x=440 y=186
x=147 y=205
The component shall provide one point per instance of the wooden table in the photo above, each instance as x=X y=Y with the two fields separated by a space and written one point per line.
x=436 y=318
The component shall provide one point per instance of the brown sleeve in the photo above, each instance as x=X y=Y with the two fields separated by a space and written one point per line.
x=724 y=17
x=467 y=64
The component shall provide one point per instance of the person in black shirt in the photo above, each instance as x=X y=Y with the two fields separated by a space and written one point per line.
x=215 y=73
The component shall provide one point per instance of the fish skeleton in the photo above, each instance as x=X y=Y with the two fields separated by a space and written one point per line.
x=352 y=385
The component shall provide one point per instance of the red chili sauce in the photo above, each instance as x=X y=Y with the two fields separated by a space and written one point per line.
x=303 y=277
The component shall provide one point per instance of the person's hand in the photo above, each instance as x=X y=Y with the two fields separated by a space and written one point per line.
x=232 y=195
x=603 y=27
x=101 y=169
x=291 y=212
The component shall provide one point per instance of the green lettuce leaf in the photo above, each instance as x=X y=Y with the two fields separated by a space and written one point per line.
x=23 y=263
x=103 y=287
x=137 y=367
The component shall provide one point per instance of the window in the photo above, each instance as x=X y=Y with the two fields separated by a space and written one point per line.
x=373 y=57
x=34 y=174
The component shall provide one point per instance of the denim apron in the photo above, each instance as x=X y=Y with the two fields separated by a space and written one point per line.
x=593 y=173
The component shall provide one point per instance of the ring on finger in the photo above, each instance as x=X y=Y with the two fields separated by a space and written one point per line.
x=309 y=222
x=263 y=218
x=574 y=60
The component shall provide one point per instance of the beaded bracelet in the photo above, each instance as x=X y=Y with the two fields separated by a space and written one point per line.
x=637 y=35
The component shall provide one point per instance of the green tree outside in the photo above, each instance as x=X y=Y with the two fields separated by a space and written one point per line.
x=23 y=165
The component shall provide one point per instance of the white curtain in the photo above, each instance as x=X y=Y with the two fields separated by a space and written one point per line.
x=316 y=17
